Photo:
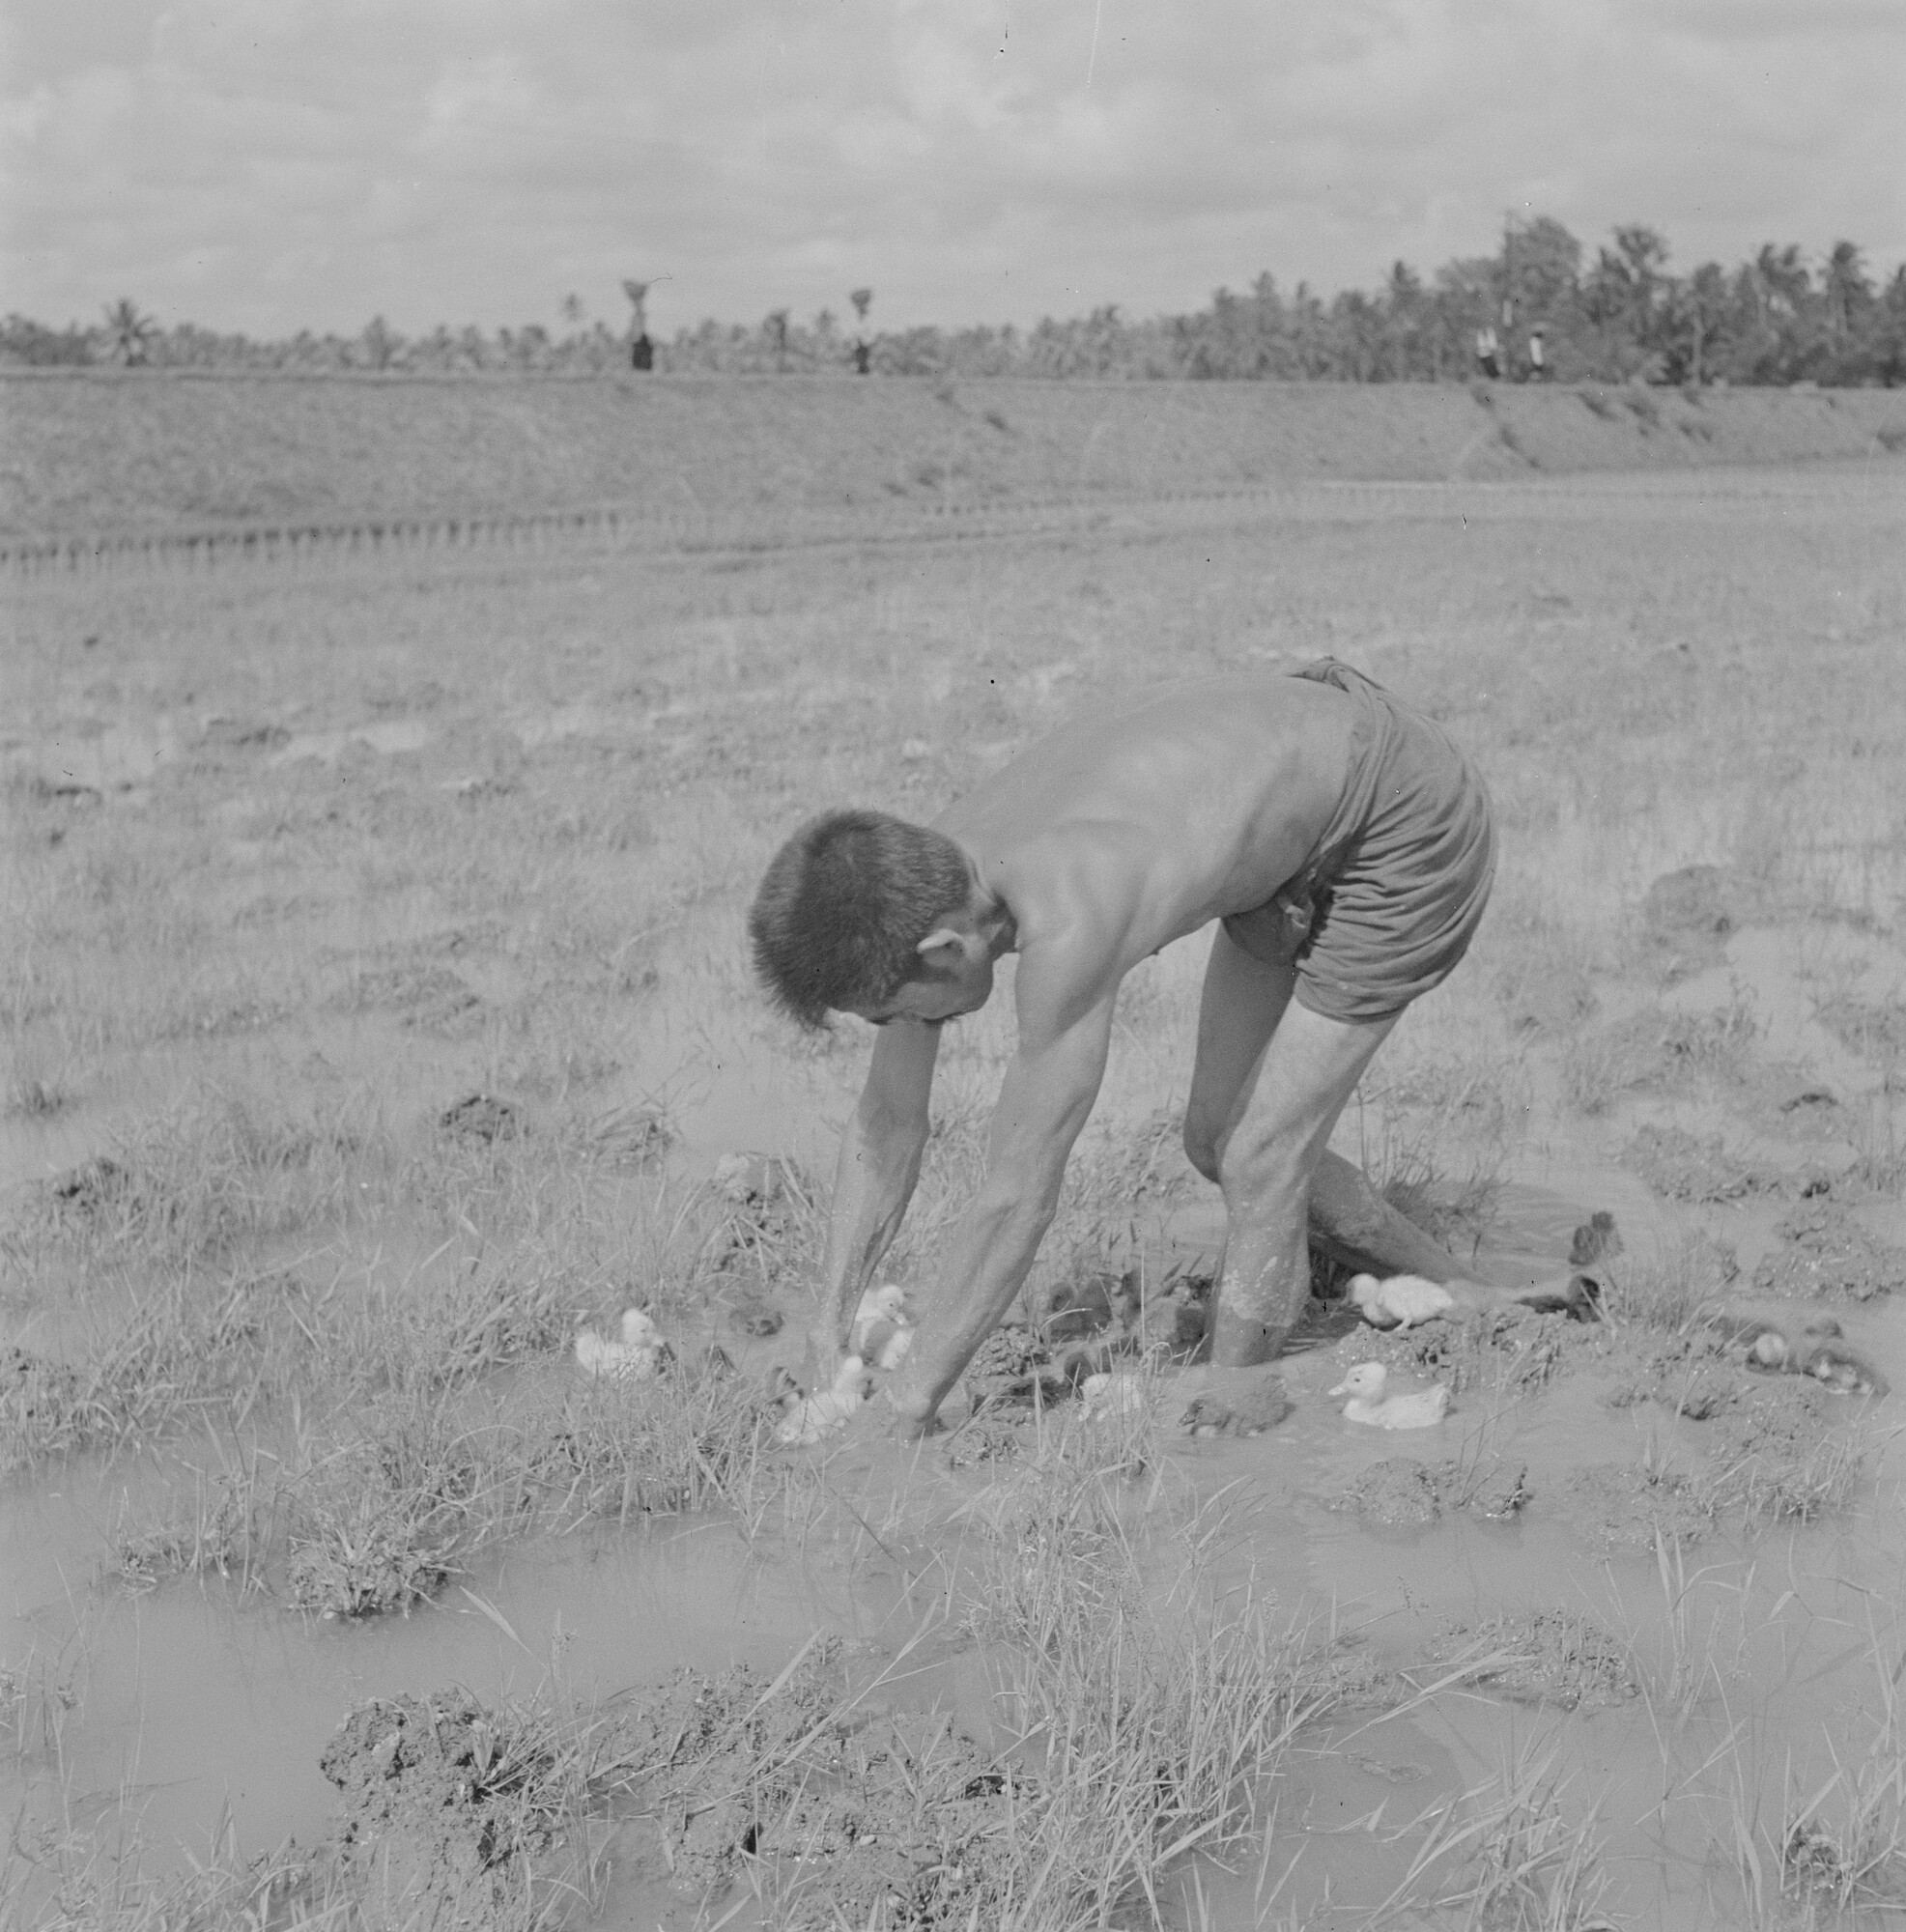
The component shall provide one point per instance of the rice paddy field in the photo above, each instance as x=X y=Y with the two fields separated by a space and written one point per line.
x=377 y=1016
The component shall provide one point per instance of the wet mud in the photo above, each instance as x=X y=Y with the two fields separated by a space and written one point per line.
x=1823 y=1251
x=447 y=1807
x=1546 y=1656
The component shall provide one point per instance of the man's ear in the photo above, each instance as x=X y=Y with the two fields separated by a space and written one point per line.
x=939 y=941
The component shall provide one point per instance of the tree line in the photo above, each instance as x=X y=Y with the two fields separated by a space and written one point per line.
x=1537 y=307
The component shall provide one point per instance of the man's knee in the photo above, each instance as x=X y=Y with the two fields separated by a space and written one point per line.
x=1200 y=1145
x=1263 y=1170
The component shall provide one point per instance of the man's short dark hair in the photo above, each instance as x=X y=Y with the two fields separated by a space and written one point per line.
x=838 y=919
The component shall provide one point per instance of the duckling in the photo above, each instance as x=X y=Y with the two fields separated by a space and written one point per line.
x=1108 y=1396
x=883 y=1330
x=1769 y=1350
x=1364 y=1385
x=806 y=1420
x=635 y=1358
x=1400 y=1302
x=1842 y=1369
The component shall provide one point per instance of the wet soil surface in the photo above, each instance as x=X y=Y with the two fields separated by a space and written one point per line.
x=447 y=1807
x=1823 y=1250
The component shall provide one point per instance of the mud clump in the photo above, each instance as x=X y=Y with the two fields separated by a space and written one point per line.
x=424 y=994
x=1823 y=1251
x=1548 y=1657
x=1781 y=1457
x=1633 y=1508
x=1876 y=1034
x=448 y=1808
x=629 y=1136
x=1689 y=916
x=1007 y=1366
x=910 y=1822
x=1396 y=1494
x=42 y=1406
x=1558 y=1002
x=1690 y=1379
x=1401 y=1493
x=988 y=1438
x=482 y=1117
x=1510 y=1349
x=441 y=1817
x=1658 y=1052
x=1680 y=1166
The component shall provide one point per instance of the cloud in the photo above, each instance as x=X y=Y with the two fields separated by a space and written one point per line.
x=272 y=164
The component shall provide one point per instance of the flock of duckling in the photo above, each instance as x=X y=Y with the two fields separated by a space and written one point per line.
x=882 y=1333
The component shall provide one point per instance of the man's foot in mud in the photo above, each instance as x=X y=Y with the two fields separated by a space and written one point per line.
x=1230 y=1401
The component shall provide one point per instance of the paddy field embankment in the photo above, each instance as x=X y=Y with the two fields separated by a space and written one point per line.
x=154 y=454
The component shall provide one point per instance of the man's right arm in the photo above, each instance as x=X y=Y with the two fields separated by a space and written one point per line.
x=873 y=1182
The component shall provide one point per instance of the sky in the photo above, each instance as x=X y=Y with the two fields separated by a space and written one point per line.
x=271 y=165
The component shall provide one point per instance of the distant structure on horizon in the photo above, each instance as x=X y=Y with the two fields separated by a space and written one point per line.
x=642 y=350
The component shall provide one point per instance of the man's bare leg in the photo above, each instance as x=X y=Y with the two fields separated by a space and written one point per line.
x=1265 y=1166
x=1270 y=1080
x=1245 y=995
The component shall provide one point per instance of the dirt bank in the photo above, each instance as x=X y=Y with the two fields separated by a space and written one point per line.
x=100 y=450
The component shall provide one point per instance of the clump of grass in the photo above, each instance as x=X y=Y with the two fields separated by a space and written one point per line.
x=375 y=1509
x=1875 y=1032
x=1151 y=1729
x=197 y=1180
x=68 y=1881
x=377 y=1525
x=1843 y=1840
x=1659 y=1051
x=1879 y=1152
x=1421 y=1115
x=1789 y=1482
x=39 y=1694
x=1514 y=1860
x=175 y=1343
x=1668 y=1293
x=219 y=1535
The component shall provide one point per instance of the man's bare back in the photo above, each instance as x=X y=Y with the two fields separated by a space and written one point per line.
x=1245 y=799
x=1118 y=834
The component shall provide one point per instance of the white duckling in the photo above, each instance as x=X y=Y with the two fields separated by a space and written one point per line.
x=635 y=1358
x=883 y=1330
x=1401 y=1301
x=1364 y=1385
x=807 y=1419
x=1107 y=1396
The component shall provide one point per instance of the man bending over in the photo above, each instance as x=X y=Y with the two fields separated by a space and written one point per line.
x=1343 y=844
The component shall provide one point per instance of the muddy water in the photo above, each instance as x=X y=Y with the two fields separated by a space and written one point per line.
x=192 y=1701
x=196 y=1701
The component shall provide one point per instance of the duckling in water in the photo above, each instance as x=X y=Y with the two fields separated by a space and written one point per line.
x=1364 y=1385
x=1820 y=1351
x=807 y=1419
x=1400 y=1302
x=883 y=1330
x=635 y=1358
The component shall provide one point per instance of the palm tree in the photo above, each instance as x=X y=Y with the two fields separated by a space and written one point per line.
x=1848 y=290
x=132 y=330
x=777 y=331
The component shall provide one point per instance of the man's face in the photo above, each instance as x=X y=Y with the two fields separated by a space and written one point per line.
x=963 y=989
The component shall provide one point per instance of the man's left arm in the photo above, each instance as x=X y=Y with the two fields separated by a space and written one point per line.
x=1046 y=1099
